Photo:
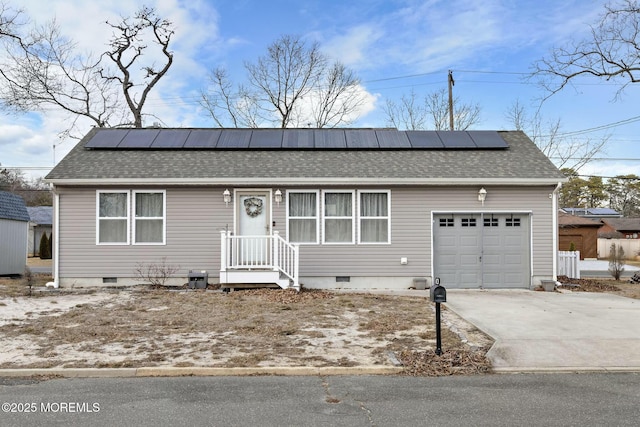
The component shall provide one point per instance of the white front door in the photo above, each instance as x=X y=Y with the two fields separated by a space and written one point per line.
x=254 y=224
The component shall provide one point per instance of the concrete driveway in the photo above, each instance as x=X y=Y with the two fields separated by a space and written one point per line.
x=554 y=331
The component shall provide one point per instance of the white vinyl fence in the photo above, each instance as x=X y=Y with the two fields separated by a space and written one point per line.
x=568 y=264
x=631 y=247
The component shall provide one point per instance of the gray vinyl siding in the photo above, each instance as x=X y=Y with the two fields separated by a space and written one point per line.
x=411 y=232
x=13 y=246
x=195 y=217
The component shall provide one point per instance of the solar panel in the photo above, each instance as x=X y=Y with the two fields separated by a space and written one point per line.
x=266 y=138
x=392 y=139
x=297 y=138
x=424 y=139
x=234 y=138
x=140 y=138
x=487 y=139
x=456 y=139
x=319 y=139
x=202 y=138
x=361 y=138
x=107 y=138
x=171 y=138
x=329 y=138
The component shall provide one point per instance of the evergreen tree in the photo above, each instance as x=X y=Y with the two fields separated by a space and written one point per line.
x=44 y=247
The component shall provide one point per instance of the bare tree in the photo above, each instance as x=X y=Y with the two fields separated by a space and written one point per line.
x=566 y=151
x=432 y=112
x=228 y=106
x=611 y=51
x=293 y=84
x=410 y=113
x=338 y=99
x=44 y=69
x=128 y=46
x=10 y=21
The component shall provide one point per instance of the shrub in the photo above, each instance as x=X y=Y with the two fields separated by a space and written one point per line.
x=572 y=247
x=616 y=261
x=27 y=278
x=155 y=274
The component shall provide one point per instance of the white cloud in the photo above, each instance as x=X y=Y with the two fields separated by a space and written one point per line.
x=352 y=48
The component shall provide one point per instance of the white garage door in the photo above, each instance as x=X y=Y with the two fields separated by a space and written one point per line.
x=482 y=250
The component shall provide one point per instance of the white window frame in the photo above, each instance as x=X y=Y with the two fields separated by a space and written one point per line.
x=163 y=217
x=98 y=218
x=317 y=217
x=352 y=217
x=387 y=217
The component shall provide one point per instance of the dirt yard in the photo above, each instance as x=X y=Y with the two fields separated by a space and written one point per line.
x=620 y=287
x=143 y=326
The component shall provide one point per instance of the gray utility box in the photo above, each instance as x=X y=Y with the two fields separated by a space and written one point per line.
x=198 y=279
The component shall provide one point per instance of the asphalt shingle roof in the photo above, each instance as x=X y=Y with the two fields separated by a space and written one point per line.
x=521 y=160
x=42 y=215
x=12 y=207
x=623 y=224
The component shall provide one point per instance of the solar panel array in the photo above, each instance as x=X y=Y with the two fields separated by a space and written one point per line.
x=319 y=139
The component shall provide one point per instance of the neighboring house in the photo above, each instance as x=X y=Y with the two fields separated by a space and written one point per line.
x=620 y=228
x=595 y=213
x=40 y=222
x=582 y=232
x=14 y=221
x=326 y=208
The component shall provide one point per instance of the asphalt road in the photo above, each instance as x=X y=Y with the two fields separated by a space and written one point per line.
x=491 y=400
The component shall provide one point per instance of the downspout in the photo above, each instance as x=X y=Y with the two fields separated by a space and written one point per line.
x=554 y=204
x=56 y=248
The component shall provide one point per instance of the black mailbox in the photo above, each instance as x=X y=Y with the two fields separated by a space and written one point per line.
x=438 y=293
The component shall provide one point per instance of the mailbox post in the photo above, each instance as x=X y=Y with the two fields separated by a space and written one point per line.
x=438 y=294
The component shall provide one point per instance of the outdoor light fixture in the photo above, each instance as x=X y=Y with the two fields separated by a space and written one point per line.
x=226 y=196
x=278 y=196
x=482 y=195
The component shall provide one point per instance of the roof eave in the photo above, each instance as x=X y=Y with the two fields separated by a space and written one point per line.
x=288 y=181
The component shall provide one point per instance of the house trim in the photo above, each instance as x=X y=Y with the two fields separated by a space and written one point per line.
x=299 y=181
x=128 y=217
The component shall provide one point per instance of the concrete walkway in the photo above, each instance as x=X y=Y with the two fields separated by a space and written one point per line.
x=554 y=331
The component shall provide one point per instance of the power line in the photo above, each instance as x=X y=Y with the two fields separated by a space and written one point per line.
x=601 y=127
x=600 y=159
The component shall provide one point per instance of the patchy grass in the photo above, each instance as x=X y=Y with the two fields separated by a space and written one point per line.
x=264 y=327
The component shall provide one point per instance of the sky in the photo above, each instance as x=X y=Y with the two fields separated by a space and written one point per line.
x=394 y=47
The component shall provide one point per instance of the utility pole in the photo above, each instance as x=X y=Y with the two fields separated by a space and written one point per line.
x=451 y=83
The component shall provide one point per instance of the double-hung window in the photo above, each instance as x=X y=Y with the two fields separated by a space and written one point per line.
x=338 y=218
x=149 y=219
x=113 y=218
x=302 y=213
x=374 y=216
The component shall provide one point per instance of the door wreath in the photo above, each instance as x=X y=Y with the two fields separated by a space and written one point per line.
x=253 y=206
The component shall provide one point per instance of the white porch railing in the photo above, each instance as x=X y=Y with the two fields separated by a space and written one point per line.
x=260 y=253
x=569 y=264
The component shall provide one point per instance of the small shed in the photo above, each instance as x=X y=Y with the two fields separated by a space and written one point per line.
x=40 y=222
x=582 y=232
x=14 y=222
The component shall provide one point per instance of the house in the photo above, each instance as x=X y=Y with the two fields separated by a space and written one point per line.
x=620 y=228
x=14 y=220
x=40 y=222
x=325 y=208
x=579 y=231
x=595 y=213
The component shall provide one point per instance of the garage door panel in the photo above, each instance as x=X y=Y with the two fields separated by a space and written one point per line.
x=493 y=254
